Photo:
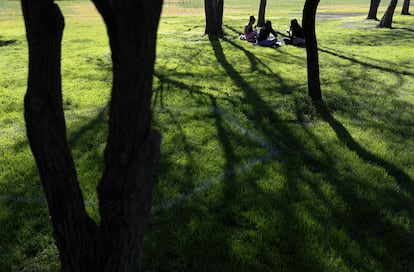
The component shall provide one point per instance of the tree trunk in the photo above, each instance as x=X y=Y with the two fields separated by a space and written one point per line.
x=405 y=8
x=373 y=9
x=214 y=17
x=74 y=232
x=262 y=12
x=309 y=13
x=386 y=21
x=132 y=151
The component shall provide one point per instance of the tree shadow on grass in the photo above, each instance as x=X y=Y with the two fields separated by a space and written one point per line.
x=403 y=179
x=265 y=119
x=359 y=224
x=6 y=42
x=366 y=64
x=369 y=217
x=27 y=234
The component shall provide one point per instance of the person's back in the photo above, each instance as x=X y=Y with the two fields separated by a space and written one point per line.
x=296 y=29
x=296 y=34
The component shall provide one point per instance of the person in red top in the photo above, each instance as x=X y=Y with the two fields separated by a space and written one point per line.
x=250 y=32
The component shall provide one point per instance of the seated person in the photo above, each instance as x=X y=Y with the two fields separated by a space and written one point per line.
x=296 y=35
x=263 y=38
x=250 y=32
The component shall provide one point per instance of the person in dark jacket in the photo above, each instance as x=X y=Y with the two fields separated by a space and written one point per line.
x=296 y=35
x=263 y=38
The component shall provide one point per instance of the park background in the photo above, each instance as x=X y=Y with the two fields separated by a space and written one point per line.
x=254 y=176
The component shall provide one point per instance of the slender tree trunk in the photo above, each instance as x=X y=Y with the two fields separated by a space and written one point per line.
x=214 y=17
x=386 y=21
x=74 y=232
x=405 y=8
x=262 y=12
x=309 y=13
x=373 y=9
x=132 y=151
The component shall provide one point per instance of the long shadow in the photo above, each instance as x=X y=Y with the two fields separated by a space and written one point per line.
x=187 y=214
x=402 y=178
x=364 y=221
x=404 y=28
x=267 y=121
x=369 y=65
x=351 y=221
x=25 y=215
x=6 y=42
x=185 y=185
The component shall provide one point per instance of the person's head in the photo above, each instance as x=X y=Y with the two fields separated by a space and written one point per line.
x=252 y=19
x=268 y=24
x=294 y=22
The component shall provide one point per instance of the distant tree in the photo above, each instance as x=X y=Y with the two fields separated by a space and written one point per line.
x=406 y=7
x=308 y=21
x=132 y=151
x=214 y=17
x=373 y=9
x=262 y=12
x=386 y=21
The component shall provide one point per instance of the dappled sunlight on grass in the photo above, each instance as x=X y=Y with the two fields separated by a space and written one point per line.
x=254 y=176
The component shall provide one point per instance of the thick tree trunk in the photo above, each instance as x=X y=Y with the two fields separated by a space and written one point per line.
x=262 y=12
x=406 y=7
x=214 y=17
x=373 y=9
x=386 y=21
x=309 y=13
x=133 y=150
x=74 y=232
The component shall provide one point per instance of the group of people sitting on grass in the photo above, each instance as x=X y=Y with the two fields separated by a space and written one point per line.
x=262 y=37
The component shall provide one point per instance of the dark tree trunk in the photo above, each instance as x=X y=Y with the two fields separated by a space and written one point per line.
x=262 y=12
x=214 y=17
x=406 y=7
x=74 y=232
x=373 y=9
x=309 y=13
x=132 y=152
x=386 y=21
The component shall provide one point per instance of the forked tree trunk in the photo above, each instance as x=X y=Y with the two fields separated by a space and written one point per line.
x=406 y=7
x=132 y=150
x=262 y=12
x=386 y=21
x=373 y=9
x=309 y=13
x=214 y=17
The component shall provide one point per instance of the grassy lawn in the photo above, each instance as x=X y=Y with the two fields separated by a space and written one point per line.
x=254 y=176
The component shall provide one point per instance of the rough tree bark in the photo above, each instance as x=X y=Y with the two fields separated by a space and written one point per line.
x=373 y=9
x=214 y=17
x=74 y=232
x=262 y=12
x=386 y=21
x=132 y=151
x=406 y=7
x=309 y=13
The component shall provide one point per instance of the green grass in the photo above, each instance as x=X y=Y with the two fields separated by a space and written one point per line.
x=254 y=176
